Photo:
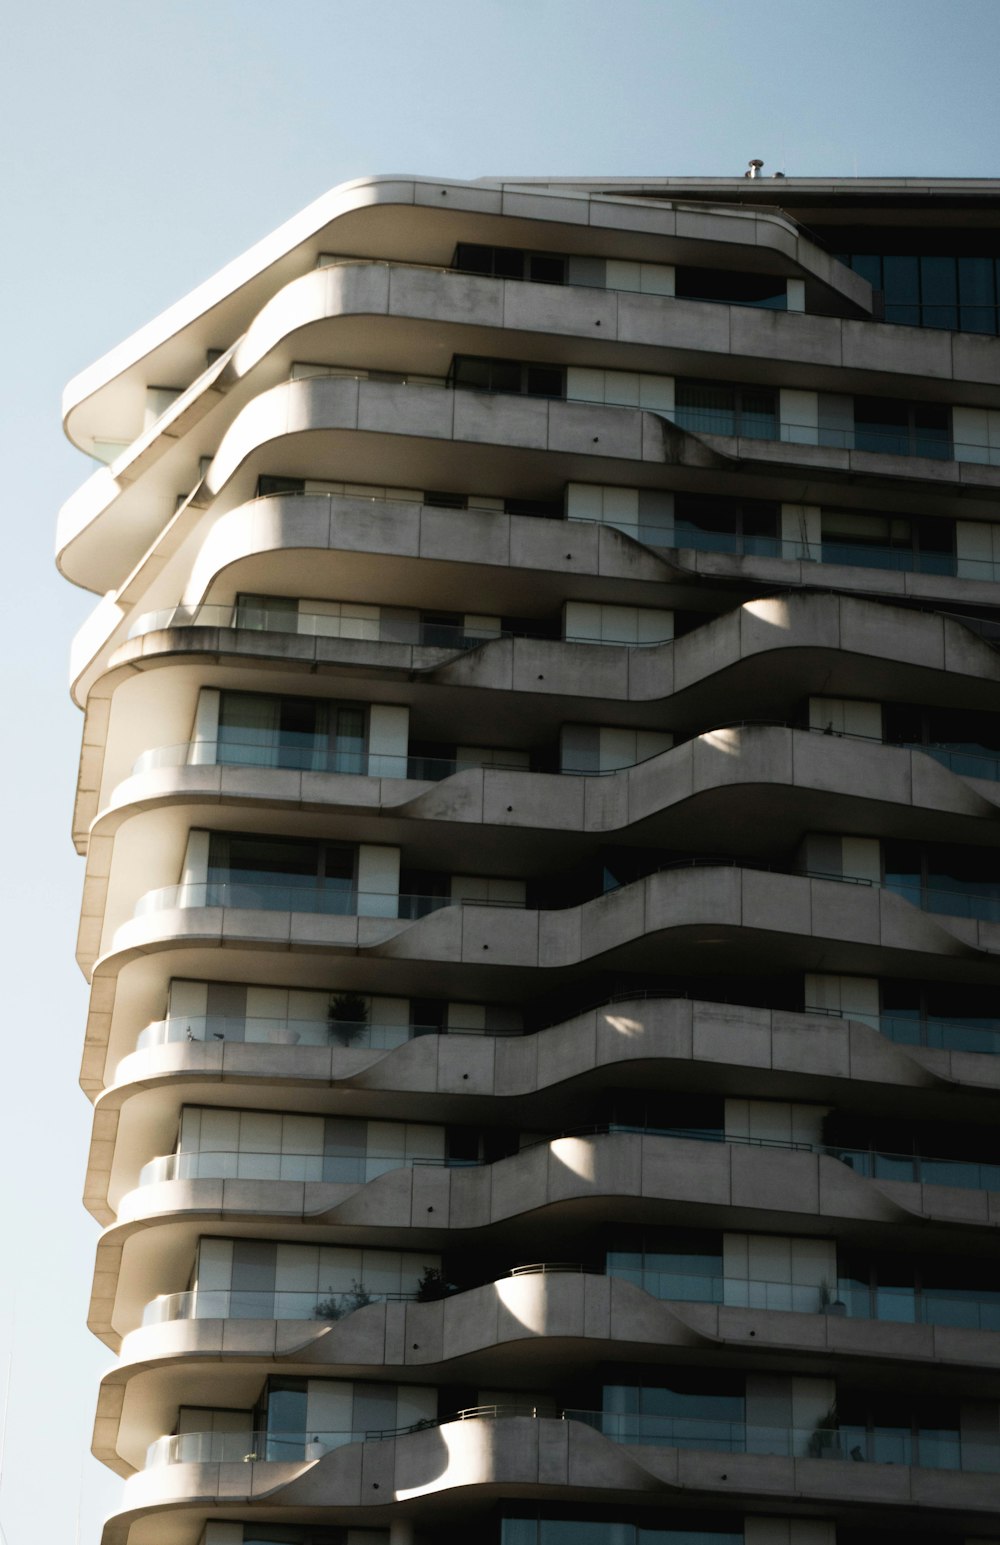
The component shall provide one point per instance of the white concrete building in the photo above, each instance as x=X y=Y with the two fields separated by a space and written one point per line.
x=539 y=789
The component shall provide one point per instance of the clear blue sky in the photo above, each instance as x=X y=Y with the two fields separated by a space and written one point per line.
x=147 y=142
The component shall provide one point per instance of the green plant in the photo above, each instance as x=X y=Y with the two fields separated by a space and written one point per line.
x=825 y=1437
x=347 y=1016
x=339 y=1304
x=433 y=1286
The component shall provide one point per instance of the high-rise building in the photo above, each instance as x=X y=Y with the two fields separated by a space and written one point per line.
x=539 y=790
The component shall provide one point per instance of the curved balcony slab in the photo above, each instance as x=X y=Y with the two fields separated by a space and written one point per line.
x=483 y=1336
x=651 y=1176
x=865 y=648
x=820 y=924
x=752 y=776
x=778 y=1054
x=553 y=1459
x=379 y=432
x=274 y=541
x=394 y=215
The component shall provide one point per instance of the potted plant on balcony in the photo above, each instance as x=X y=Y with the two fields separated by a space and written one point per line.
x=347 y=1017
x=829 y=1303
x=339 y=1304
x=433 y=1285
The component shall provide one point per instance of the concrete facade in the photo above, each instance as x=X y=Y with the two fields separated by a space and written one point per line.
x=539 y=794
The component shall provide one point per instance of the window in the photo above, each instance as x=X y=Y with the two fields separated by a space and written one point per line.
x=669 y=1263
x=920 y=544
x=767 y=291
x=895 y=428
x=310 y=734
x=935 y=290
x=281 y=875
x=708 y=407
x=726 y=526
x=510 y=263
x=474 y=372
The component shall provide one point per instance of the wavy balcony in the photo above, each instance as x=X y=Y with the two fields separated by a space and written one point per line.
x=853 y=646
x=578 y=1461
x=346 y=220
x=660 y=1178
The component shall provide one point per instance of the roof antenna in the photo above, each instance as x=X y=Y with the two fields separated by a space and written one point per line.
x=753 y=169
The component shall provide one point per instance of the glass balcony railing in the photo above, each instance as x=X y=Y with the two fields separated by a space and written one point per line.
x=935 y=1449
x=882 y=439
x=337 y=1169
x=979 y=901
x=978 y=1035
x=969 y=1309
x=373 y=630
x=374 y=1034
x=292 y=896
x=231 y=1304
x=307 y=624
x=965 y=1309
x=870 y=1163
x=221 y=1448
x=278 y=750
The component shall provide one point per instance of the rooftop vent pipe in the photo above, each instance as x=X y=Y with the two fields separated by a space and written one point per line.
x=753 y=170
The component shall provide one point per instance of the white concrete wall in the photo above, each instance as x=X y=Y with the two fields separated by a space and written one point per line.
x=792 y=1272
x=976 y=435
x=591 y=622
x=795 y=289
x=802 y=524
x=195 y=868
x=388 y=740
x=621 y=388
x=645 y=278
x=856 y=997
x=846 y=716
x=205 y=735
x=775 y=1121
x=855 y=858
x=799 y=413
x=784 y=1531
x=378 y=881
x=488 y=889
x=977 y=548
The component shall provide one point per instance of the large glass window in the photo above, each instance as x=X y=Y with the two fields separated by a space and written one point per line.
x=281 y=874
x=474 y=372
x=579 y=1529
x=895 y=428
x=920 y=544
x=669 y=1263
x=767 y=291
x=300 y=732
x=694 y=1410
x=935 y=290
x=510 y=263
x=712 y=407
x=727 y=525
